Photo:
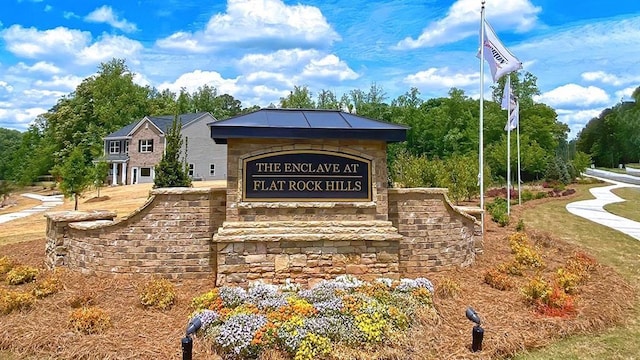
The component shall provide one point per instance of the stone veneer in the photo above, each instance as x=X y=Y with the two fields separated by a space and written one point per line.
x=170 y=235
x=188 y=233
x=436 y=235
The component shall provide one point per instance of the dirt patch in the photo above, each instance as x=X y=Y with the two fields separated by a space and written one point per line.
x=98 y=199
x=510 y=325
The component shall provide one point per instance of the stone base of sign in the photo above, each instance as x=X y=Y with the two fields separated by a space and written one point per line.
x=305 y=251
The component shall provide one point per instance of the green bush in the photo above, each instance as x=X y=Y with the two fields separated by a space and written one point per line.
x=498 y=211
x=557 y=171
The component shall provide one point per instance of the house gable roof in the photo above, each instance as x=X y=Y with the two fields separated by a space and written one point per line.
x=162 y=123
x=305 y=124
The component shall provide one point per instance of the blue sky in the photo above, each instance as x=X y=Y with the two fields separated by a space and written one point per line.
x=586 y=57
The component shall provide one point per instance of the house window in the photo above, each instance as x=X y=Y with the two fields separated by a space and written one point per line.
x=145 y=171
x=191 y=168
x=126 y=147
x=145 y=146
x=114 y=147
x=212 y=169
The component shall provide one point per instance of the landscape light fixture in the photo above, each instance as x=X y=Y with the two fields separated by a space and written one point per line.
x=478 y=332
x=187 y=343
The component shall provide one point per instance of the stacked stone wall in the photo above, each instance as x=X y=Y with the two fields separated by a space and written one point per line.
x=169 y=236
x=436 y=235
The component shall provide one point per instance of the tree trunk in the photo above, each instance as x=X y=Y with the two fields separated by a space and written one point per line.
x=75 y=206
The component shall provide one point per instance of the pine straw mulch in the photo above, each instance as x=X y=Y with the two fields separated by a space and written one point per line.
x=137 y=333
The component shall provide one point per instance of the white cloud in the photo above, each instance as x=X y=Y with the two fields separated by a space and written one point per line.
x=25 y=116
x=43 y=95
x=32 y=43
x=607 y=78
x=574 y=95
x=192 y=80
x=69 y=15
x=69 y=82
x=48 y=8
x=441 y=78
x=105 y=14
x=463 y=18
x=577 y=119
x=281 y=59
x=329 y=67
x=40 y=66
x=5 y=86
x=626 y=93
x=110 y=47
x=258 y=23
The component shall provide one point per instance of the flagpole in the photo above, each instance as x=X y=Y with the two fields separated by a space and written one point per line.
x=481 y=140
x=518 y=134
x=509 y=146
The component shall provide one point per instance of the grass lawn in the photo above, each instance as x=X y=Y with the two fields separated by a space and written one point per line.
x=612 y=248
x=629 y=208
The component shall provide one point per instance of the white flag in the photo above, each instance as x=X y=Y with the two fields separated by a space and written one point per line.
x=510 y=103
x=514 y=117
x=500 y=60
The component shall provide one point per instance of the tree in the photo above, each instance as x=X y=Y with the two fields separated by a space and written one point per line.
x=74 y=175
x=99 y=172
x=9 y=144
x=171 y=172
x=299 y=98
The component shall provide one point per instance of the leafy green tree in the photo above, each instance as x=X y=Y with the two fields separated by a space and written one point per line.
x=74 y=175
x=299 y=98
x=327 y=100
x=9 y=144
x=171 y=171
x=461 y=173
x=99 y=173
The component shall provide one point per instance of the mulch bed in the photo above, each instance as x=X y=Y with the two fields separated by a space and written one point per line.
x=137 y=333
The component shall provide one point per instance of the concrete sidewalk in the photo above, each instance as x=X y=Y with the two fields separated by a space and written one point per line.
x=48 y=202
x=593 y=210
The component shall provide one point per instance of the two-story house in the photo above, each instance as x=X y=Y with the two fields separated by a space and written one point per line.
x=134 y=150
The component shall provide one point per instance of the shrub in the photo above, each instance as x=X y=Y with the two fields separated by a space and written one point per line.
x=567 y=281
x=448 y=288
x=511 y=268
x=525 y=255
x=14 y=300
x=498 y=280
x=498 y=211
x=6 y=264
x=89 y=320
x=520 y=225
x=21 y=274
x=556 y=303
x=581 y=264
x=49 y=285
x=535 y=290
x=158 y=293
x=82 y=300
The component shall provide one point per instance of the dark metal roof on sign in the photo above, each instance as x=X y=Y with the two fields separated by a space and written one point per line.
x=305 y=124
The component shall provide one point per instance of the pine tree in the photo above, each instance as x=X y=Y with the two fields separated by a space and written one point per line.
x=171 y=172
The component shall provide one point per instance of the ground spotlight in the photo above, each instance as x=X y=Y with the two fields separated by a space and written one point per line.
x=478 y=332
x=187 y=343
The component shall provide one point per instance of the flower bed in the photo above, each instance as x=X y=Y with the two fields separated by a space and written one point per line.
x=305 y=324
